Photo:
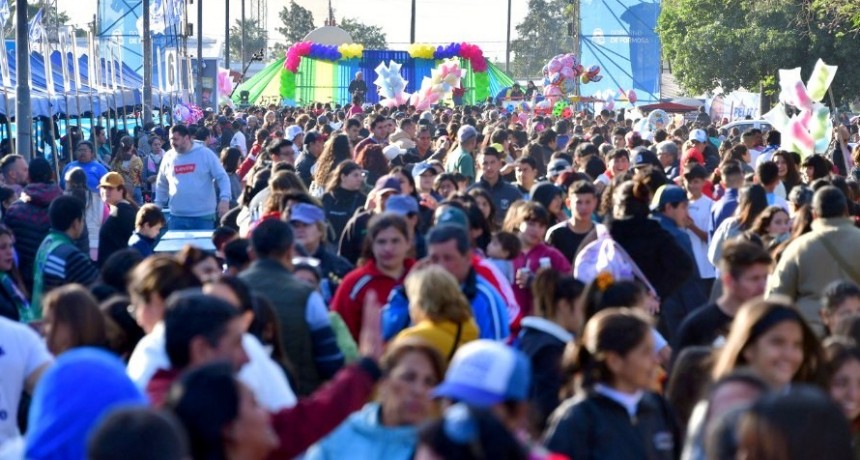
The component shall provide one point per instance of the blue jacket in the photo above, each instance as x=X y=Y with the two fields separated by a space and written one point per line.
x=488 y=309
x=723 y=209
x=362 y=435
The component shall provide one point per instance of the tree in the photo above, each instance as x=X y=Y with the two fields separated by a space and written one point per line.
x=298 y=22
x=50 y=18
x=541 y=35
x=255 y=39
x=838 y=15
x=738 y=43
x=372 y=37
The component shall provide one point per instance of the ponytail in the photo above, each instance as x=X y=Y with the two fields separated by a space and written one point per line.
x=550 y=287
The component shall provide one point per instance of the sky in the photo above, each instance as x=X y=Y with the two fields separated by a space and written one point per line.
x=482 y=22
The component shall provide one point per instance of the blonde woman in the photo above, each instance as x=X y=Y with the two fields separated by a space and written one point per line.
x=440 y=313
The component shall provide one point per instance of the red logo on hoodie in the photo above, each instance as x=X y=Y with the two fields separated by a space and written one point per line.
x=184 y=169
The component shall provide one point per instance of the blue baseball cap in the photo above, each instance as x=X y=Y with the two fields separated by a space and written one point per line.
x=422 y=167
x=306 y=213
x=668 y=194
x=387 y=183
x=484 y=373
x=402 y=205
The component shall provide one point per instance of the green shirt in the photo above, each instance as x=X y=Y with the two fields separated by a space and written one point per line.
x=463 y=163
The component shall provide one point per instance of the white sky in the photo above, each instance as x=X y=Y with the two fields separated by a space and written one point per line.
x=482 y=22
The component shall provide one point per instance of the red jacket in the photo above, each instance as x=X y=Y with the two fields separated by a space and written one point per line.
x=348 y=300
x=317 y=415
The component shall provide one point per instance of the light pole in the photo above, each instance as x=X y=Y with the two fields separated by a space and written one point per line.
x=508 y=43
x=147 y=64
x=412 y=24
x=244 y=34
x=199 y=91
x=23 y=114
x=227 y=34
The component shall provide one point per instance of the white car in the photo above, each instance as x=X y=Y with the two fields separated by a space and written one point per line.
x=744 y=125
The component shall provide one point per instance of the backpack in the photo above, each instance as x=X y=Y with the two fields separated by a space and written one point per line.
x=606 y=255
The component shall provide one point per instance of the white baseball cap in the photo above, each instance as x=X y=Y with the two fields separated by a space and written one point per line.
x=699 y=135
x=484 y=373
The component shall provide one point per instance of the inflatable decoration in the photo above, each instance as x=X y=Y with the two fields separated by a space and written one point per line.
x=562 y=73
x=391 y=84
x=811 y=130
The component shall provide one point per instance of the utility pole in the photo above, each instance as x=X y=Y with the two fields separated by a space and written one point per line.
x=147 y=64
x=508 y=43
x=199 y=85
x=23 y=113
x=244 y=35
x=226 y=34
x=412 y=24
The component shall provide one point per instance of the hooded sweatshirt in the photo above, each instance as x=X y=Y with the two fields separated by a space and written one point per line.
x=72 y=397
x=362 y=435
x=28 y=220
x=185 y=182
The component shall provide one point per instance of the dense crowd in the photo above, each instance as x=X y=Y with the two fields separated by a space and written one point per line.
x=456 y=283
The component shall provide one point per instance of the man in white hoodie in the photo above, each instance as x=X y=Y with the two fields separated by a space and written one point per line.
x=185 y=183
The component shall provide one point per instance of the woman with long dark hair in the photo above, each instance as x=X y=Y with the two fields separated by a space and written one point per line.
x=788 y=173
x=752 y=201
x=616 y=415
x=343 y=196
x=13 y=297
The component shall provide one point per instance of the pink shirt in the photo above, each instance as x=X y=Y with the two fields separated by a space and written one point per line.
x=531 y=260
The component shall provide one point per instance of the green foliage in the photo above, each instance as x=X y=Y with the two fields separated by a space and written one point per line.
x=255 y=39
x=297 y=22
x=738 y=43
x=541 y=35
x=841 y=16
x=372 y=37
x=50 y=18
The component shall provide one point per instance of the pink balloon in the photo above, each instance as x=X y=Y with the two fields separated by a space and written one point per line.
x=632 y=97
x=567 y=73
x=567 y=62
x=554 y=65
x=552 y=91
x=555 y=79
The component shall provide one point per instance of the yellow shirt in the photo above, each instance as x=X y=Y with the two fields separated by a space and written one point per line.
x=442 y=335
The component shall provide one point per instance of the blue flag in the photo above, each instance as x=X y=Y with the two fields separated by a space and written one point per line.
x=4 y=12
x=37 y=29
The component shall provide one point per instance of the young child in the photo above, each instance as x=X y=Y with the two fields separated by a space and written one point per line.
x=502 y=250
x=840 y=300
x=147 y=224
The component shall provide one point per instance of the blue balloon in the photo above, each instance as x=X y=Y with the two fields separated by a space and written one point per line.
x=439 y=52
x=456 y=49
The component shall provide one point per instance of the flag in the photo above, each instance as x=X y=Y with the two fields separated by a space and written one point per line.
x=37 y=29
x=4 y=13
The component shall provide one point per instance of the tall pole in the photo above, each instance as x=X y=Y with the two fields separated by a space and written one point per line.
x=23 y=114
x=226 y=34
x=199 y=53
x=242 y=58
x=147 y=64
x=412 y=24
x=508 y=43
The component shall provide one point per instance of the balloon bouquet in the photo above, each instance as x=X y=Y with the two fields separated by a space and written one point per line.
x=225 y=88
x=391 y=84
x=811 y=129
x=442 y=80
x=561 y=74
x=186 y=113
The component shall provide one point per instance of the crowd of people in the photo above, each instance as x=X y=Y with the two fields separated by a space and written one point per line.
x=454 y=283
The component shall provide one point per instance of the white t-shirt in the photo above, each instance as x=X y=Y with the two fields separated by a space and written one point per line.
x=240 y=143
x=700 y=213
x=265 y=379
x=22 y=352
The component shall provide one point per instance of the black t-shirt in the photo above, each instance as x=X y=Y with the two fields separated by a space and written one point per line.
x=563 y=238
x=117 y=229
x=703 y=327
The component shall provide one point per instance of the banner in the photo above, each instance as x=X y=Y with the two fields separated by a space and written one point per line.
x=620 y=37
